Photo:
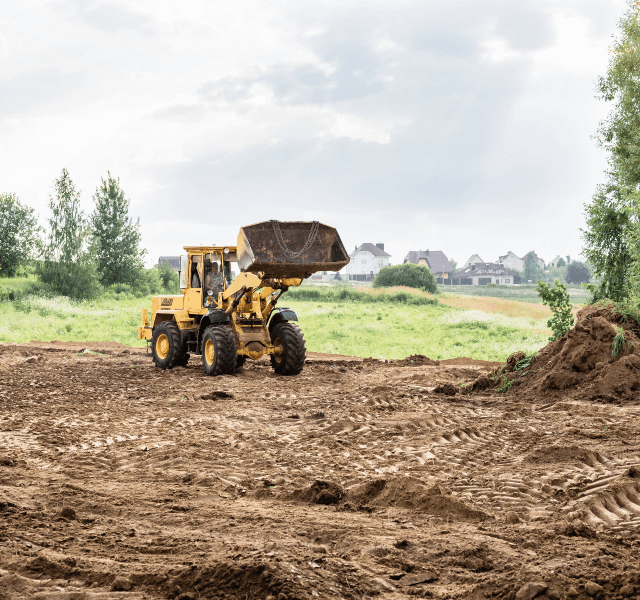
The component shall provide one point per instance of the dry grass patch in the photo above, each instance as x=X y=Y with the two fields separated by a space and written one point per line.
x=510 y=308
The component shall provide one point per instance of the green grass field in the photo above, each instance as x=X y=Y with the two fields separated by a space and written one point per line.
x=381 y=329
x=521 y=293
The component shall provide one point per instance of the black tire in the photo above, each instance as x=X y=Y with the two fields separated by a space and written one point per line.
x=165 y=345
x=240 y=360
x=291 y=361
x=218 y=351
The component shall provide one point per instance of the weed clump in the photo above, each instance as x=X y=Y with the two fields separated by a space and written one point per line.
x=557 y=299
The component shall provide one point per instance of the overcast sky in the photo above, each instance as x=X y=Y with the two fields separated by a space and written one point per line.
x=461 y=126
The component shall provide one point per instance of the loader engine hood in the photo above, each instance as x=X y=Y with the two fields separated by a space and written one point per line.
x=290 y=249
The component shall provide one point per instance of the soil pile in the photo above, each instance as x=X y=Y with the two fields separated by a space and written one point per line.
x=411 y=493
x=416 y=360
x=583 y=364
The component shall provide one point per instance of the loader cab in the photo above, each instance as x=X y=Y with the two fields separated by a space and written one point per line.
x=205 y=269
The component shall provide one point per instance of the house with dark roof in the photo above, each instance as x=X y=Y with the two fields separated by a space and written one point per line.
x=436 y=260
x=366 y=261
x=174 y=261
x=484 y=274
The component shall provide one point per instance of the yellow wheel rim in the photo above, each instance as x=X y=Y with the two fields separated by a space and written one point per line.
x=278 y=357
x=162 y=346
x=209 y=351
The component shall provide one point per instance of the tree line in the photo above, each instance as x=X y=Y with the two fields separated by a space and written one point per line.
x=612 y=234
x=79 y=255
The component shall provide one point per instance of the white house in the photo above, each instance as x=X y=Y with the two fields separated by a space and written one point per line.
x=515 y=263
x=472 y=259
x=511 y=261
x=366 y=262
x=484 y=274
x=556 y=260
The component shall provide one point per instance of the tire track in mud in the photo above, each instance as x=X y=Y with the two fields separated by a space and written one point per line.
x=177 y=479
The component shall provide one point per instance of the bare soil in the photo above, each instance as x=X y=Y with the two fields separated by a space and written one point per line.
x=356 y=479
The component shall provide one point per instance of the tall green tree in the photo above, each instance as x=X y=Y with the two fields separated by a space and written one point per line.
x=531 y=270
x=67 y=224
x=19 y=234
x=115 y=237
x=611 y=225
x=612 y=215
x=578 y=272
x=68 y=267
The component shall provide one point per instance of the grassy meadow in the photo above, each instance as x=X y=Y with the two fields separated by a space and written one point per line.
x=520 y=293
x=389 y=324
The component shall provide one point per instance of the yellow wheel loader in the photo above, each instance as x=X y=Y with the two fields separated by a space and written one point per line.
x=227 y=320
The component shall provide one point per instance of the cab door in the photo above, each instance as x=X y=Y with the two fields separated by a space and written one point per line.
x=195 y=278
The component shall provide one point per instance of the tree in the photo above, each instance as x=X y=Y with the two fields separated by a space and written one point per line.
x=416 y=276
x=170 y=278
x=67 y=267
x=608 y=240
x=19 y=234
x=531 y=270
x=578 y=272
x=115 y=238
x=454 y=267
x=561 y=263
x=612 y=215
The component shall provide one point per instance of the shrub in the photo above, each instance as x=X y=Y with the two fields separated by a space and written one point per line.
x=170 y=278
x=415 y=276
x=557 y=299
x=76 y=280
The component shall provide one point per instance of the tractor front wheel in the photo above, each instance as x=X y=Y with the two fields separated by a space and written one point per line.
x=218 y=351
x=165 y=345
x=294 y=352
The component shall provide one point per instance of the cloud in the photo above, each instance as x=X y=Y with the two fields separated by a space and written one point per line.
x=448 y=123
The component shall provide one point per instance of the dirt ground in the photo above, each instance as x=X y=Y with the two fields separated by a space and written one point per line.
x=356 y=479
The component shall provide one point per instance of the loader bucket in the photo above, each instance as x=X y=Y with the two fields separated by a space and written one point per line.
x=290 y=248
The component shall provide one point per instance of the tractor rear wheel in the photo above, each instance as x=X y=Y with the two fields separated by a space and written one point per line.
x=218 y=351
x=165 y=345
x=294 y=352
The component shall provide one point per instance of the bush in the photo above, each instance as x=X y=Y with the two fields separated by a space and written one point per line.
x=410 y=275
x=557 y=299
x=77 y=280
x=18 y=288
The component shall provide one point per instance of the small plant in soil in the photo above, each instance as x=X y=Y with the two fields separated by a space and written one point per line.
x=557 y=299
x=619 y=342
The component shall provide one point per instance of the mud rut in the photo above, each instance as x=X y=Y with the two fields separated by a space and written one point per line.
x=118 y=480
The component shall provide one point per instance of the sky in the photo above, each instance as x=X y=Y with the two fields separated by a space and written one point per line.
x=461 y=126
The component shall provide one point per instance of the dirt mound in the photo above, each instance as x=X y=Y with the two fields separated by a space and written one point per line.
x=238 y=579
x=407 y=492
x=584 y=364
x=561 y=454
x=320 y=492
x=416 y=360
x=448 y=389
